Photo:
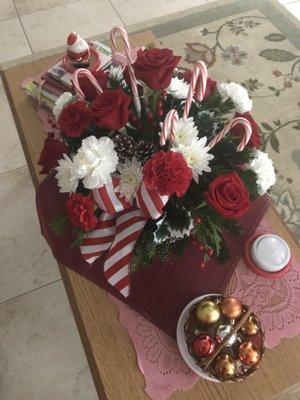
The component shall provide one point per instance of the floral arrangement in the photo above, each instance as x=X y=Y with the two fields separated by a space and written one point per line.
x=154 y=158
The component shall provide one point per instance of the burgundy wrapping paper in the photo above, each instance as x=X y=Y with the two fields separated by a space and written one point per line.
x=159 y=292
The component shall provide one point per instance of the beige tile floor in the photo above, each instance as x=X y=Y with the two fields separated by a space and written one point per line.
x=41 y=356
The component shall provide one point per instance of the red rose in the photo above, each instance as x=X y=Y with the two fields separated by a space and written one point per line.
x=74 y=119
x=210 y=86
x=228 y=195
x=88 y=88
x=155 y=67
x=110 y=109
x=168 y=173
x=238 y=130
x=53 y=151
x=80 y=210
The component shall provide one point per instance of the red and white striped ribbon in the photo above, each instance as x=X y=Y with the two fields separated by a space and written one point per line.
x=84 y=72
x=236 y=121
x=130 y=59
x=129 y=225
x=150 y=201
x=120 y=225
x=100 y=239
x=199 y=68
x=108 y=200
x=169 y=126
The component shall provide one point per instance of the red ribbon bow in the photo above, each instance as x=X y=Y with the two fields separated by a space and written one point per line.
x=119 y=227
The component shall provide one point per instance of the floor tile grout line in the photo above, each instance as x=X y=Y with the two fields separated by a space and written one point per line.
x=116 y=11
x=13 y=169
x=19 y=17
x=29 y=291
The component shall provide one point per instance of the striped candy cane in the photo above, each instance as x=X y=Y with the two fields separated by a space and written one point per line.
x=130 y=60
x=245 y=139
x=84 y=72
x=199 y=68
x=169 y=125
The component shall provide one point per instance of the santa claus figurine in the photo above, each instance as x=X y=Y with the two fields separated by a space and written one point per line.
x=78 y=51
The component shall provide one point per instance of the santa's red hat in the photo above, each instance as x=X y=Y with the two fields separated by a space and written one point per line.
x=76 y=46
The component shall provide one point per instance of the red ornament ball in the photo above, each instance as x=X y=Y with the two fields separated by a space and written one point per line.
x=202 y=264
x=203 y=345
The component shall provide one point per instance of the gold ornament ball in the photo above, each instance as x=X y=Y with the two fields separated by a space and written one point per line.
x=225 y=366
x=251 y=326
x=249 y=353
x=231 y=307
x=208 y=312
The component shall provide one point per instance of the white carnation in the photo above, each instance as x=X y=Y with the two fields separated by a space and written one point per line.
x=263 y=166
x=238 y=95
x=185 y=131
x=178 y=88
x=130 y=178
x=66 y=175
x=95 y=161
x=196 y=155
x=60 y=103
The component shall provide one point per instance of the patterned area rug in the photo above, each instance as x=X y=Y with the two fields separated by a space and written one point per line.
x=257 y=48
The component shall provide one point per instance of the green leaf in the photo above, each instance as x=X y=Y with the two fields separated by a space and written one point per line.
x=59 y=224
x=275 y=37
x=274 y=142
x=277 y=55
x=266 y=126
x=79 y=237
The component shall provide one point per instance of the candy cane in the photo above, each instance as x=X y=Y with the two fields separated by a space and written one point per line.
x=130 y=60
x=199 y=68
x=245 y=139
x=168 y=129
x=84 y=72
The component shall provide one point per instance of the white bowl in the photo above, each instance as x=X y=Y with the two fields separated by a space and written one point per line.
x=183 y=348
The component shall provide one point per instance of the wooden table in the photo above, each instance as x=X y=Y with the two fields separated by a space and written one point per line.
x=109 y=351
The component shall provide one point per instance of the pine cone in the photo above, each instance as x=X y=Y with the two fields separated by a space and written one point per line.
x=144 y=150
x=124 y=146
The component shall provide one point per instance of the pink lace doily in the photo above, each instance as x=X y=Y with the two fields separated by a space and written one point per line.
x=277 y=302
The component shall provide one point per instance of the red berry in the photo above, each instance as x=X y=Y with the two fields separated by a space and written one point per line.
x=210 y=252
x=202 y=264
x=164 y=93
x=194 y=242
x=149 y=115
x=200 y=247
x=160 y=113
x=159 y=104
x=171 y=263
x=197 y=219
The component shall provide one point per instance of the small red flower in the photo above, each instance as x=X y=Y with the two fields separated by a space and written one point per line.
x=210 y=86
x=168 y=173
x=80 y=210
x=74 y=119
x=228 y=195
x=53 y=151
x=238 y=130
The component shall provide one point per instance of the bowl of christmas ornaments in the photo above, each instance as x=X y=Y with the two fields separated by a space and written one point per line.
x=220 y=338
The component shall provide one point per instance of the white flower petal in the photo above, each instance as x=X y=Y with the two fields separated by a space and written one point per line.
x=66 y=175
x=238 y=95
x=263 y=166
x=178 y=88
x=130 y=178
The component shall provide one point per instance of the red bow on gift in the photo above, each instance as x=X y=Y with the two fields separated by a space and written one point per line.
x=119 y=227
